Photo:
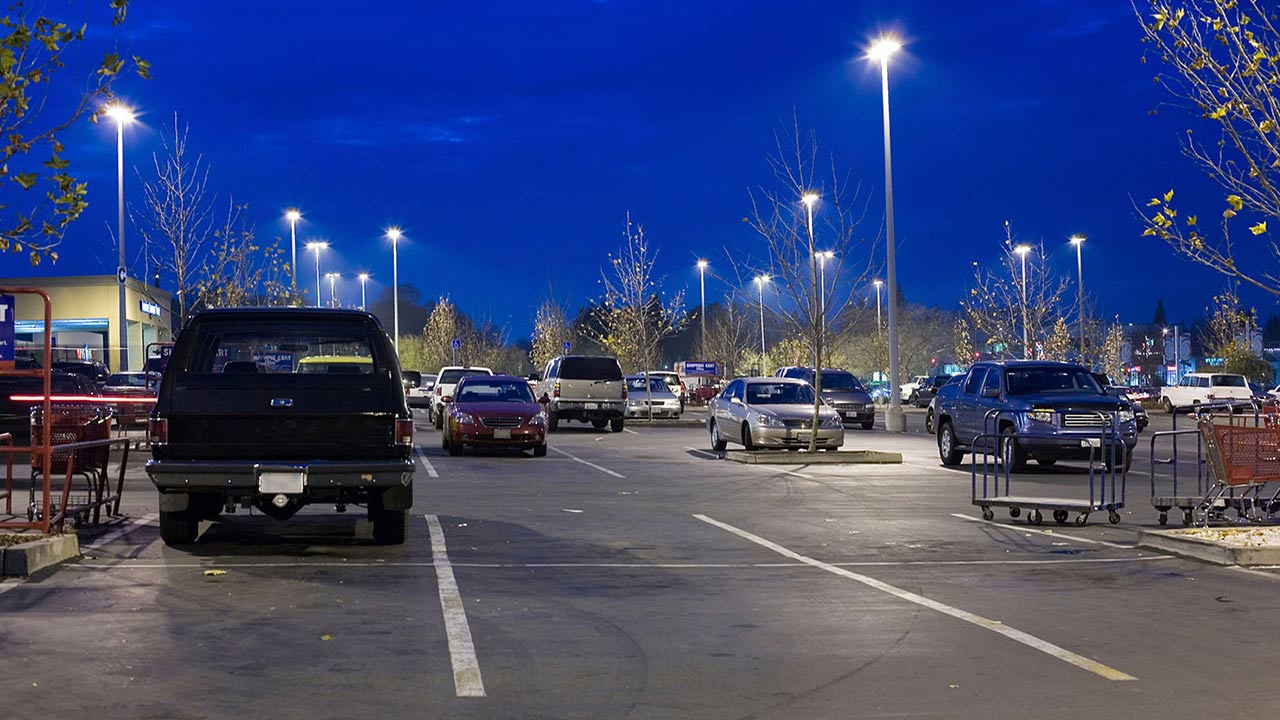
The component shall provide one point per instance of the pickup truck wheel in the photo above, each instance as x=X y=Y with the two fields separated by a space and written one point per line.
x=1122 y=462
x=617 y=424
x=540 y=450
x=1046 y=462
x=390 y=527
x=553 y=421
x=928 y=421
x=1168 y=406
x=947 y=448
x=1010 y=454
x=599 y=424
x=437 y=419
x=178 y=528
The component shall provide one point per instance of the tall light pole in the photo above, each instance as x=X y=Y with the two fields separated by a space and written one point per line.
x=702 y=285
x=293 y=216
x=364 y=278
x=316 y=247
x=809 y=199
x=881 y=51
x=123 y=115
x=1078 y=241
x=1022 y=250
x=879 y=334
x=823 y=257
x=760 y=282
x=394 y=234
x=333 y=288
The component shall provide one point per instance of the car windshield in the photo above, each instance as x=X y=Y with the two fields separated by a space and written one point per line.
x=656 y=384
x=477 y=390
x=838 y=380
x=761 y=393
x=127 y=380
x=1037 y=380
x=590 y=368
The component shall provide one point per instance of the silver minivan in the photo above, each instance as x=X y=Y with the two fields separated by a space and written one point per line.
x=587 y=388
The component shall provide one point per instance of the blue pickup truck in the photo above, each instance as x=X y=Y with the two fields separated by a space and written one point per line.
x=1042 y=411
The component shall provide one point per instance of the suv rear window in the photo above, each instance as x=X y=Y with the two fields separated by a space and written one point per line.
x=1229 y=381
x=451 y=377
x=226 y=346
x=590 y=368
x=840 y=381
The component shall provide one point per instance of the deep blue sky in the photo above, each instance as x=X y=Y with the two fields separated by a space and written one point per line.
x=509 y=139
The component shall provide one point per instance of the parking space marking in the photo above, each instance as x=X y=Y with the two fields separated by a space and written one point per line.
x=121 y=532
x=995 y=626
x=629 y=430
x=1050 y=533
x=766 y=468
x=11 y=583
x=431 y=470
x=462 y=650
x=575 y=458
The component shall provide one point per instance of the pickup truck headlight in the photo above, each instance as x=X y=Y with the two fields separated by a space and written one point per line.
x=1126 y=416
x=1044 y=416
x=768 y=421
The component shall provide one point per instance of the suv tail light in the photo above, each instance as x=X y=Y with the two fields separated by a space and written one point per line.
x=404 y=431
x=158 y=430
x=555 y=390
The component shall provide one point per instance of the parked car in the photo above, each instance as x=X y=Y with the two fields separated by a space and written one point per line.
x=20 y=395
x=763 y=412
x=1200 y=388
x=446 y=379
x=951 y=386
x=1042 y=411
x=673 y=381
x=586 y=388
x=494 y=411
x=923 y=394
x=658 y=396
x=132 y=387
x=417 y=390
x=906 y=389
x=95 y=370
x=842 y=391
x=283 y=435
x=1140 y=416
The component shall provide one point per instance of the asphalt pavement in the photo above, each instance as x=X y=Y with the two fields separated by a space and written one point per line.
x=638 y=575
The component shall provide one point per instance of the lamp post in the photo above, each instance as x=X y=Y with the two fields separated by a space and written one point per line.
x=364 y=277
x=394 y=234
x=1022 y=250
x=123 y=115
x=333 y=288
x=881 y=51
x=316 y=247
x=879 y=334
x=702 y=285
x=293 y=216
x=760 y=282
x=1078 y=241
x=823 y=257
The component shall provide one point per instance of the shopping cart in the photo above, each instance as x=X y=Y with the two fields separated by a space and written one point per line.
x=1243 y=460
x=72 y=423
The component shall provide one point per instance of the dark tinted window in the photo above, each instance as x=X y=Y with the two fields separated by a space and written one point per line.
x=1031 y=381
x=590 y=368
x=975 y=381
x=1229 y=381
x=278 y=346
x=413 y=377
x=127 y=380
x=480 y=389
x=992 y=381
x=839 y=380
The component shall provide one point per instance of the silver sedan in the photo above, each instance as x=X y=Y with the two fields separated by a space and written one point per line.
x=771 y=412
x=657 y=397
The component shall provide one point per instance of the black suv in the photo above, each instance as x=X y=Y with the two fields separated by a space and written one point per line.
x=243 y=418
x=842 y=391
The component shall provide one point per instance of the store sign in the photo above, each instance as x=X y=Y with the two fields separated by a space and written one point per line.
x=149 y=308
x=279 y=362
x=701 y=368
x=6 y=330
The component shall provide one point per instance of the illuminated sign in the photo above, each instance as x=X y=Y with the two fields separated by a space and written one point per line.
x=149 y=308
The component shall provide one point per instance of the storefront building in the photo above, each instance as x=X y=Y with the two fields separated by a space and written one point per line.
x=86 y=315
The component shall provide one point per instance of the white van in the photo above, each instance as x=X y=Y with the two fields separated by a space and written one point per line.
x=1197 y=388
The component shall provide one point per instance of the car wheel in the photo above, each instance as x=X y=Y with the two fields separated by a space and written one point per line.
x=444 y=440
x=1013 y=456
x=455 y=449
x=437 y=419
x=540 y=450
x=1168 y=406
x=390 y=527
x=947 y=448
x=617 y=425
x=868 y=424
x=928 y=421
x=553 y=421
x=912 y=399
x=717 y=443
x=599 y=424
x=746 y=437
x=1046 y=462
x=178 y=528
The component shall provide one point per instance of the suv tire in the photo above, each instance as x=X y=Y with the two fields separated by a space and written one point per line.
x=553 y=421
x=948 y=450
x=178 y=528
x=437 y=419
x=390 y=527
x=617 y=425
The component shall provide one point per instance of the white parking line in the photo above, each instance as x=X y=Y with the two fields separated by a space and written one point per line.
x=767 y=468
x=575 y=458
x=997 y=627
x=121 y=532
x=462 y=651
x=1050 y=533
x=431 y=470
x=11 y=583
x=629 y=430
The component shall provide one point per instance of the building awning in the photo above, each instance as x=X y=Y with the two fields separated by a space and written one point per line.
x=25 y=327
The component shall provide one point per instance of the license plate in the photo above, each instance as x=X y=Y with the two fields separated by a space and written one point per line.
x=276 y=482
x=502 y=434
x=1091 y=442
x=803 y=436
x=849 y=414
x=590 y=406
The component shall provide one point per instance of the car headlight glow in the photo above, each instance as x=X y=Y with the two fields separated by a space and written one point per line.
x=538 y=420
x=1126 y=416
x=768 y=421
x=464 y=419
x=1044 y=416
x=832 y=421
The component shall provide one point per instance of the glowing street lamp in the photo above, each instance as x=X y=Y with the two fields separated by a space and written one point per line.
x=1078 y=241
x=364 y=278
x=316 y=247
x=394 y=235
x=122 y=115
x=761 y=280
x=702 y=283
x=1022 y=250
x=333 y=288
x=881 y=51
x=293 y=216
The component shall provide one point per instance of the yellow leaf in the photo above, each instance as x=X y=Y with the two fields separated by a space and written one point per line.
x=214 y=573
x=1259 y=228
x=326 y=637
x=1235 y=202
x=1153 y=202
x=1149 y=231
x=1228 y=213
x=1168 y=197
x=1191 y=220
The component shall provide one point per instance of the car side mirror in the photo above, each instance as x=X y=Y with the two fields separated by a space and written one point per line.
x=545 y=399
x=447 y=399
x=990 y=392
x=735 y=400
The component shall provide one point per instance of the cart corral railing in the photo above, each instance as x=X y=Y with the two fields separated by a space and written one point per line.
x=88 y=457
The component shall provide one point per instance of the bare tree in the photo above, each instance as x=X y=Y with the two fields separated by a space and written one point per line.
x=729 y=335
x=240 y=272
x=551 y=330
x=176 y=215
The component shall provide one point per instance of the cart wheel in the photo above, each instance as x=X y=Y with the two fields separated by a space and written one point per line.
x=1082 y=519
x=1164 y=518
x=1015 y=512
x=1034 y=517
x=987 y=514
x=1113 y=517
x=1187 y=518
x=1060 y=516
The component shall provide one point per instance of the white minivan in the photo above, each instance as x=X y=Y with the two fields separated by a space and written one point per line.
x=1198 y=388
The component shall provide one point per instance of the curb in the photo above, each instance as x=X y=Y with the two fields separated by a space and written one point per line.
x=840 y=457
x=27 y=558
x=1172 y=541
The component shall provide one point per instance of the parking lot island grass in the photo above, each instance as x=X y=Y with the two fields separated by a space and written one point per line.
x=1246 y=546
x=804 y=457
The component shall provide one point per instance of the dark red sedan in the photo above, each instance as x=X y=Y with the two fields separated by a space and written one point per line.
x=494 y=411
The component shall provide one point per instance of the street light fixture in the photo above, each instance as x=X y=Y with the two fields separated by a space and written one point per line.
x=333 y=288
x=364 y=278
x=1022 y=250
x=122 y=115
x=760 y=283
x=316 y=246
x=1078 y=241
x=293 y=216
x=881 y=51
x=702 y=284
x=394 y=234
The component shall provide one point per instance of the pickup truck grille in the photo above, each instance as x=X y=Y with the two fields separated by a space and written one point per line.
x=500 y=422
x=1083 y=420
x=801 y=424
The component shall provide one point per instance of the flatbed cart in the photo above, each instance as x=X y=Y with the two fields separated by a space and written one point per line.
x=989 y=449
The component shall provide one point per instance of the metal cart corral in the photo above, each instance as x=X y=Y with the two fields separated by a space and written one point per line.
x=989 y=450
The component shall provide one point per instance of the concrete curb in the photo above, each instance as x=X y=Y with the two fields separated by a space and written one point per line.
x=27 y=558
x=1173 y=541
x=840 y=457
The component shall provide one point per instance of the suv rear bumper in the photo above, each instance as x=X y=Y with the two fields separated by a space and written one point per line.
x=582 y=410
x=184 y=476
